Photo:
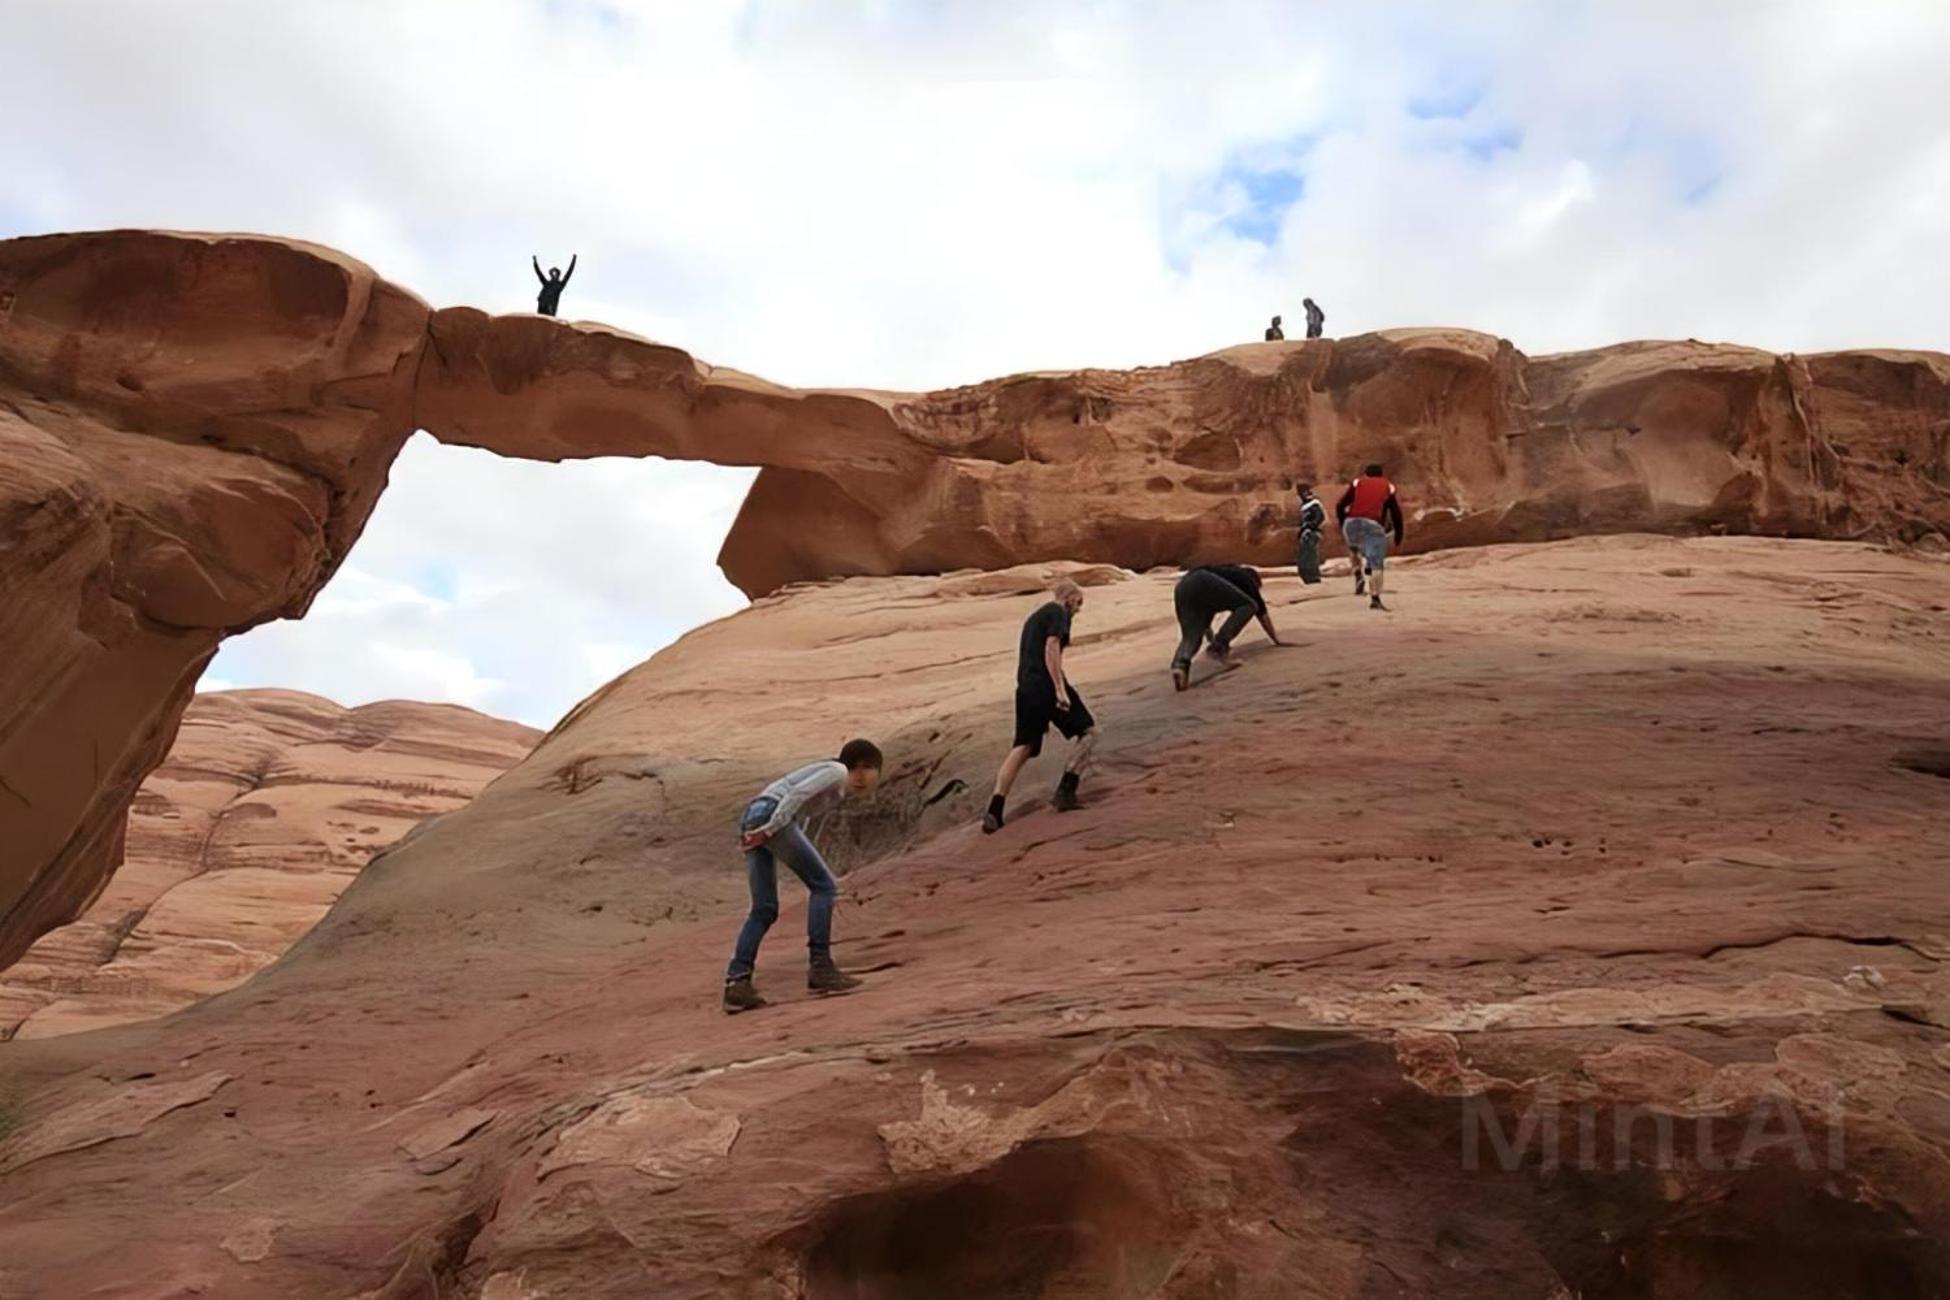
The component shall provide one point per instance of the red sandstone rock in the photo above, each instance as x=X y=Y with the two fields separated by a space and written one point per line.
x=267 y=806
x=1603 y=830
x=196 y=428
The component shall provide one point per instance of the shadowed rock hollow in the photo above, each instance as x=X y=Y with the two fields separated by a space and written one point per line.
x=194 y=430
x=1619 y=835
x=267 y=806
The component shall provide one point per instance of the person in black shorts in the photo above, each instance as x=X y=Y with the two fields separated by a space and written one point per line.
x=1202 y=595
x=1045 y=698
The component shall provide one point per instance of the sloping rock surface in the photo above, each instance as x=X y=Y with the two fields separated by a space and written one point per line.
x=267 y=806
x=1577 y=929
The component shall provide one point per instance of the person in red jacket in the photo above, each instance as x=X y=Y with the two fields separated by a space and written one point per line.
x=1367 y=510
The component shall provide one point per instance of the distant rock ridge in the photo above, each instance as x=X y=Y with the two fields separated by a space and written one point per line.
x=268 y=805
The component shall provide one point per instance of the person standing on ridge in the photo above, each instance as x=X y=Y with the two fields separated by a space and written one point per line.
x=1315 y=317
x=1203 y=594
x=1367 y=510
x=769 y=832
x=1044 y=697
x=553 y=284
x=1273 y=332
x=1313 y=523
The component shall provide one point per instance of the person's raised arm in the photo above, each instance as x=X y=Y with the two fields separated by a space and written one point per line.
x=571 y=271
x=1053 y=660
x=1391 y=513
x=537 y=262
x=1345 y=504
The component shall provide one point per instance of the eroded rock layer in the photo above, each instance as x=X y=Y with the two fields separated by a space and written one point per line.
x=194 y=429
x=267 y=806
x=1576 y=929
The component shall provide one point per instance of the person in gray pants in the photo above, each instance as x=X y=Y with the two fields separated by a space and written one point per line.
x=1201 y=596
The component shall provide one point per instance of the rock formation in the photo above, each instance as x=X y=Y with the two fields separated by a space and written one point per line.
x=267 y=806
x=1318 y=996
x=194 y=428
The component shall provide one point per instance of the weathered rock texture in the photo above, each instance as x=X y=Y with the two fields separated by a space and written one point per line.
x=194 y=428
x=1626 y=831
x=267 y=806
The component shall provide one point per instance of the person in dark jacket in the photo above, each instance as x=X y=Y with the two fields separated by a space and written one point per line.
x=1315 y=317
x=1201 y=596
x=1313 y=524
x=553 y=284
x=1273 y=332
x=1367 y=510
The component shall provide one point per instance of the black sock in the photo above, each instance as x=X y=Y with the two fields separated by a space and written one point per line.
x=995 y=805
x=1069 y=782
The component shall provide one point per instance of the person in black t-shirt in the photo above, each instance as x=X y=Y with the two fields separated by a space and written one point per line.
x=1044 y=697
x=1202 y=595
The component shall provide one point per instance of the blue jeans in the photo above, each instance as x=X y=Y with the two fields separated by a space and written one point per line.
x=761 y=871
x=1366 y=540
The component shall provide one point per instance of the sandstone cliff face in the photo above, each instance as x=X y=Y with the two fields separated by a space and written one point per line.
x=267 y=806
x=195 y=428
x=1617 y=832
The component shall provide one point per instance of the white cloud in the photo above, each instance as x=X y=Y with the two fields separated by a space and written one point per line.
x=908 y=194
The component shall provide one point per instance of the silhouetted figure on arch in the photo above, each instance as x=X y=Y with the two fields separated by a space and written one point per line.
x=1315 y=317
x=552 y=284
x=1273 y=332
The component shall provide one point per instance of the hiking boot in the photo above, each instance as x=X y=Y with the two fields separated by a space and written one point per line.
x=991 y=822
x=1374 y=602
x=739 y=995
x=1065 y=799
x=1181 y=676
x=825 y=977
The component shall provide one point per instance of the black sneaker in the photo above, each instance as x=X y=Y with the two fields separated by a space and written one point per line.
x=825 y=977
x=1360 y=584
x=991 y=822
x=739 y=995
x=1374 y=602
x=1065 y=799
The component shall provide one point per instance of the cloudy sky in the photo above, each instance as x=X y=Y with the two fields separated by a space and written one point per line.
x=910 y=193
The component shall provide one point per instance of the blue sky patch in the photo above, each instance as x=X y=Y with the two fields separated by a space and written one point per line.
x=1485 y=145
x=1268 y=195
x=1456 y=99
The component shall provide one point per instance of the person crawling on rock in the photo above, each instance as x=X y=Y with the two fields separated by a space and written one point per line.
x=1044 y=697
x=553 y=284
x=1273 y=332
x=1366 y=511
x=1202 y=595
x=769 y=832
